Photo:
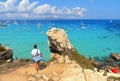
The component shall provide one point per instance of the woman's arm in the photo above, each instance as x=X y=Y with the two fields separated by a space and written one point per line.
x=32 y=55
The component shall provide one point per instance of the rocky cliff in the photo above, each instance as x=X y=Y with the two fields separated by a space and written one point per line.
x=60 y=67
x=58 y=41
x=62 y=50
x=5 y=53
x=59 y=45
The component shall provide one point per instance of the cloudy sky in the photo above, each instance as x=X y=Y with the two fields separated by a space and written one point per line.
x=60 y=9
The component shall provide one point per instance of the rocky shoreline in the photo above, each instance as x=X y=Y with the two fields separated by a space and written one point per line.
x=6 y=54
x=75 y=66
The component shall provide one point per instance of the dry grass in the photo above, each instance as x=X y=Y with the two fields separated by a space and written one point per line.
x=6 y=67
x=111 y=78
x=82 y=61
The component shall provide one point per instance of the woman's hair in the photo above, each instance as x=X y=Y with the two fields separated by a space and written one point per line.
x=35 y=45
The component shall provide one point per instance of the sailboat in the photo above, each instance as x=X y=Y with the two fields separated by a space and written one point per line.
x=82 y=25
x=39 y=25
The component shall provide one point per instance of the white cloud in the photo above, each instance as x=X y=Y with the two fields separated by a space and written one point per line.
x=8 y=6
x=42 y=9
x=78 y=11
x=27 y=9
x=14 y=16
x=25 y=6
x=53 y=10
x=2 y=7
x=25 y=15
x=11 y=15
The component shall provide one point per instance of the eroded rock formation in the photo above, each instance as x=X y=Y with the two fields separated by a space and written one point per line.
x=6 y=54
x=60 y=45
x=58 y=41
x=115 y=56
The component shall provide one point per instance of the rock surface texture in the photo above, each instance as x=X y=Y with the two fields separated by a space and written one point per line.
x=62 y=69
x=53 y=72
x=115 y=56
x=58 y=41
x=7 y=54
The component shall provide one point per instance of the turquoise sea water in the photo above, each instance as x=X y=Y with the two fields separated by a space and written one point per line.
x=89 y=37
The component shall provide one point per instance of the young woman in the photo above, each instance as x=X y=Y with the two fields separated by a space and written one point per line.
x=36 y=55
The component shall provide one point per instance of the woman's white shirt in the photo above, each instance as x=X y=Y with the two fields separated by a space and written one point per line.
x=34 y=51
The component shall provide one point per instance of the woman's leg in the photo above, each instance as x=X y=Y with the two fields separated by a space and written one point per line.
x=37 y=65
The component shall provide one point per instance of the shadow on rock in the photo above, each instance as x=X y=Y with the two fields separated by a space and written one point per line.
x=42 y=66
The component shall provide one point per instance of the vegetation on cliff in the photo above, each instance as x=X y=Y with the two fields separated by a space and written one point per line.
x=2 y=48
x=80 y=59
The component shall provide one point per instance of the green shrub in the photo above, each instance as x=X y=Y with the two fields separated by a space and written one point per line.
x=81 y=60
x=2 y=49
x=74 y=55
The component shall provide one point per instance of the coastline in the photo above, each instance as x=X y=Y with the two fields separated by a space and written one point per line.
x=84 y=40
x=63 y=55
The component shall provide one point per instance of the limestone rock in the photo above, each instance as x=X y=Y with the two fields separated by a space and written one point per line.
x=45 y=77
x=60 y=45
x=78 y=74
x=32 y=79
x=115 y=56
x=67 y=60
x=58 y=40
x=59 y=58
x=7 y=54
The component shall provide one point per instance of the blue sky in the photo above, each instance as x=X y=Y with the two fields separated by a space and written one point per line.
x=67 y=9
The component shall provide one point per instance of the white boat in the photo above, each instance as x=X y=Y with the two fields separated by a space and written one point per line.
x=82 y=25
x=2 y=25
x=39 y=25
x=110 y=21
x=15 y=22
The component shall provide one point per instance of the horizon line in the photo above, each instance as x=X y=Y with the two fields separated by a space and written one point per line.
x=65 y=19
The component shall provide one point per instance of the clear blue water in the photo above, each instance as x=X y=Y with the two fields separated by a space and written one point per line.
x=89 y=37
